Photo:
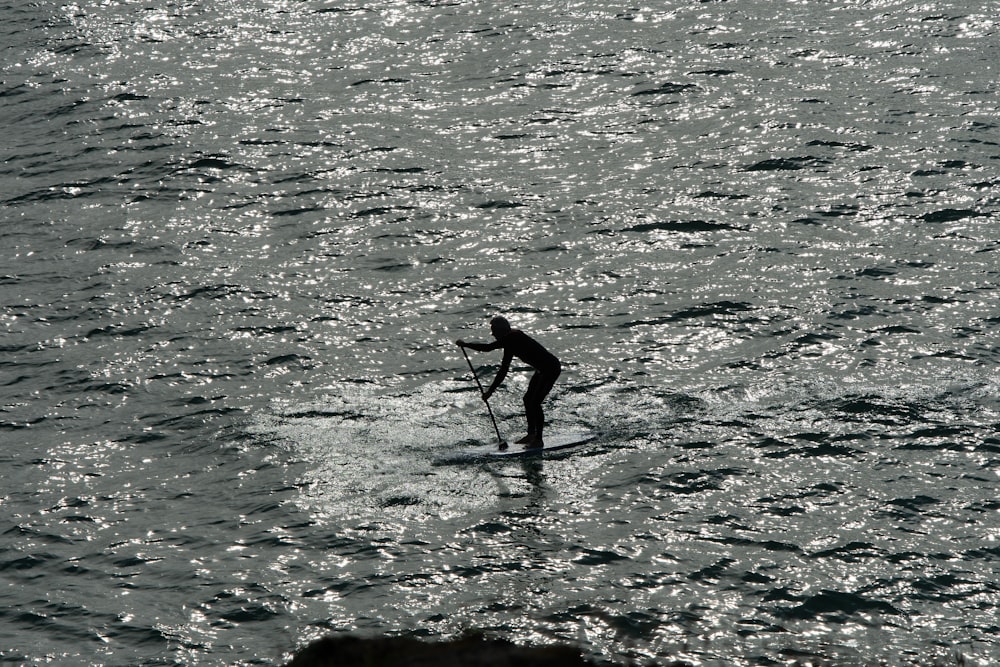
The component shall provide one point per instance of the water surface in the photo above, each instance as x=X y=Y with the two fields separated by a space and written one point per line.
x=241 y=236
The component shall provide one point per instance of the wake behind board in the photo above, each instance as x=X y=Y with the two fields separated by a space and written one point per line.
x=553 y=443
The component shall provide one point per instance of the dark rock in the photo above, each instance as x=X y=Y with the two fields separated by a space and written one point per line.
x=348 y=651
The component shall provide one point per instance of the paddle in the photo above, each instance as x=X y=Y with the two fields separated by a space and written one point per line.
x=482 y=392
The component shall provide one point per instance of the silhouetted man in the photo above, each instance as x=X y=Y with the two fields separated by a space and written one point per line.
x=516 y=343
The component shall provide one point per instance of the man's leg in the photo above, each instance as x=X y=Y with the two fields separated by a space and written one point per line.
x=532 y=408
x=538 y=388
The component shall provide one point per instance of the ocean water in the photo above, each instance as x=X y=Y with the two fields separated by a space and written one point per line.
x=239 y=239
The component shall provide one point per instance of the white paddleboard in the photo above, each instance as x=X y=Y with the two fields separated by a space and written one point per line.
x=553 y=443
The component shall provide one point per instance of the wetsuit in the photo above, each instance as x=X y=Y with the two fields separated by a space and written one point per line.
x=547 y=368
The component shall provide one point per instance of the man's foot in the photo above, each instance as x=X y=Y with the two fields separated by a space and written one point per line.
x=534 y=443
x=526 y=439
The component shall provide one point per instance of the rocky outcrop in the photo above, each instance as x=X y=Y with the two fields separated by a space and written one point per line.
x=348 y=651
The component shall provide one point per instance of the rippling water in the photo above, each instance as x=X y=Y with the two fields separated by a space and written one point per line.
x=240 y=236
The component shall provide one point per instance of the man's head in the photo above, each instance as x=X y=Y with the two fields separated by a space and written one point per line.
x=500 y=327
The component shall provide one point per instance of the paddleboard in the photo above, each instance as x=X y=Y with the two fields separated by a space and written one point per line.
x=553 y=443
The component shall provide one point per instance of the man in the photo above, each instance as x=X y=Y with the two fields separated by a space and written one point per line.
x=516 y=343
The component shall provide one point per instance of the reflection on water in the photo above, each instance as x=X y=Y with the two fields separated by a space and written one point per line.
x=747 y=524
x=241 y=236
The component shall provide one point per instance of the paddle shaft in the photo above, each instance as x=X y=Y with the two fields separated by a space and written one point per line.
x=482 y=392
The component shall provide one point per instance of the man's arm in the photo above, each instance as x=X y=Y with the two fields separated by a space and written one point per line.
x=479 y=347
x=501 y=374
